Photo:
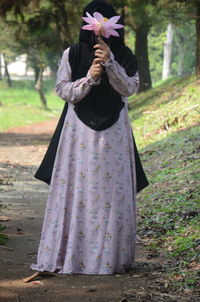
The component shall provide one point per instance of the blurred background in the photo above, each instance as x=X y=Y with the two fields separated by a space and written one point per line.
x=163 y=34
x=165 y=117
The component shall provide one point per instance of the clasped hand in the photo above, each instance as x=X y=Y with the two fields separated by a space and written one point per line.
x=102 y=54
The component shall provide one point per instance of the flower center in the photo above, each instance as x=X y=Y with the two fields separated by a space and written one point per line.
x=103 y=21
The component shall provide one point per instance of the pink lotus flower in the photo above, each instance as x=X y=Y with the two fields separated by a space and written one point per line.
x=102 y=26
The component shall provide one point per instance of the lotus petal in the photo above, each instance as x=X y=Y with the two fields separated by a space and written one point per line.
x=98 y=24
x=86 y=19
x=113 y=20
x=116 y=26
x=98 y=17
x=114 y=33
x=87 y=27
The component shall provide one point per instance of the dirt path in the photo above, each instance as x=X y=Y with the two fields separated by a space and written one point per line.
x=22 y=201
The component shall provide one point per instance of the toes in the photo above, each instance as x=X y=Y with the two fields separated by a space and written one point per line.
x=30 y=278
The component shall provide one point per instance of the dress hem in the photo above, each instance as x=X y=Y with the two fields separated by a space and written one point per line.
x=84 y=273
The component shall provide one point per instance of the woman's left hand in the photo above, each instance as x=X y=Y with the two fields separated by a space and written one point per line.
x=103 y=50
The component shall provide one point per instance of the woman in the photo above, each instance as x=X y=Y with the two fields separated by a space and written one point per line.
x=90 y=219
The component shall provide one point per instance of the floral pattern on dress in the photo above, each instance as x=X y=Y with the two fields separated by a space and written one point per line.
x=89 y=225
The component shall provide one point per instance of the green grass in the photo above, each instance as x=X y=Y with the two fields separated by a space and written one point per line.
x=166 y=126
x=20 y=105
x=3 y=237
x=174 y=104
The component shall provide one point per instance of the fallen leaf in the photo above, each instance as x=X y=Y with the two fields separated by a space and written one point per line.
x=4 y=218
x=178 y=277
x=37 y=282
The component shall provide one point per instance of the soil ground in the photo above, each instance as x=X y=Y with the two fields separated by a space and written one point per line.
x=22 y=201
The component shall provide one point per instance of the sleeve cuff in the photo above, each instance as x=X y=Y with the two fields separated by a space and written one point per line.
x=91 y=81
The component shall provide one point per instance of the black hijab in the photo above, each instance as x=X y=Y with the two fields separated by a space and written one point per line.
x=100 y=109
x=127 y=60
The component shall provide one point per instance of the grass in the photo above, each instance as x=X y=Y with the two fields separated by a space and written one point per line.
x=166 y=126
x=20 y=105
x=174 y=104
x=3 y=237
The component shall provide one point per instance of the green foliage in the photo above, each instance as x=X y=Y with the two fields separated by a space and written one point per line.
x=20 y=106
x=3 y=237
x=169 y=206
x=42 y=31
x=184 y=49
x=156 y=41
x=172 y=105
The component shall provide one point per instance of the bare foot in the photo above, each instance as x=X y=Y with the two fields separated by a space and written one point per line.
x=37 y=274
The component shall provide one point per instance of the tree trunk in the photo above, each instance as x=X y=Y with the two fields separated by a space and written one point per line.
x=38 y=87
x=1 y=76
x=180 y=70
x=141 y=52
x=167 y=53
x=7 y=75
x=53 y=69
x=62 y=24
x=198 y=39
x=36 y=73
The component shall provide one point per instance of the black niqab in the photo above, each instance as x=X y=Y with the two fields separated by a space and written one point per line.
x=44 y=172
x=100 y=109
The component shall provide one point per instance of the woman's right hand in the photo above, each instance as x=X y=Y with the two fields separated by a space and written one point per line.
x=96 y=69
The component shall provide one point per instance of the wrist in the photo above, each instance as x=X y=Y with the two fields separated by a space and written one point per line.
x=94 y=79
x=107 y=57
x=109 y=61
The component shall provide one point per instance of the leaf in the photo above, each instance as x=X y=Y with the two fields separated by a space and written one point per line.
x=4 y=218
x=37 y=282
x=178 y=278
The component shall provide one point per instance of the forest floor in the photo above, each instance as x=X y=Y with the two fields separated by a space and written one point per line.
x=22 y=203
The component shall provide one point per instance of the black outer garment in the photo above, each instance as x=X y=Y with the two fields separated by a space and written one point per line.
x=45 y=169
x=101 y=107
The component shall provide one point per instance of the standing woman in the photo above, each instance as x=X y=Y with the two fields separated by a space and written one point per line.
x=91 y=165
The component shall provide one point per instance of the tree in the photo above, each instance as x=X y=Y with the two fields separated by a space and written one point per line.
x=7 y=44
x=192 y=10
x=167 y=53
x=136 y=13
x=44 y=28
x=184 y=57
x=198 y=39
x=140 y=16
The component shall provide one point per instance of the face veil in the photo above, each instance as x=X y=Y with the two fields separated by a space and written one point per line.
x=100 y=109
x=108 y=112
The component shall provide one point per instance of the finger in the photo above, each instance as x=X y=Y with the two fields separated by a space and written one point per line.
x=99 y=46
x=97 y=61
x=99 y=55
x=100 y=51
x=98 y=70
x=97 y=67
x=97 y=74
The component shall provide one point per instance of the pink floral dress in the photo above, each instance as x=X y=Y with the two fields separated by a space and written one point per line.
x=90 y=218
